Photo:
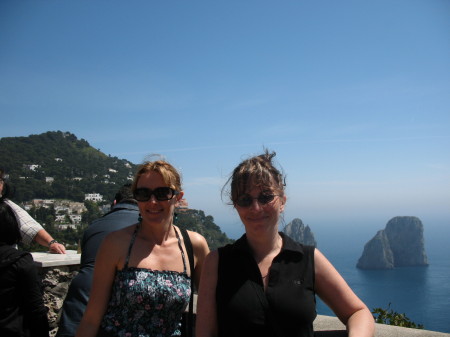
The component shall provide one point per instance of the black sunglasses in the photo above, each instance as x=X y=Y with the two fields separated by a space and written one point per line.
x=246 y=200
x=160 y=193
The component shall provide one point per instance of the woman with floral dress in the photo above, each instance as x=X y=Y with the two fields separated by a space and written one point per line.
x=141 y=282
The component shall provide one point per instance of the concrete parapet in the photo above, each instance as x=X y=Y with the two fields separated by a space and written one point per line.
x=328 y=326
x=45 y=259
x=57 y=271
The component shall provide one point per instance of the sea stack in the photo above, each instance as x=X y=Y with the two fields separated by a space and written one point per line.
x=297 y=231
x=400 y=244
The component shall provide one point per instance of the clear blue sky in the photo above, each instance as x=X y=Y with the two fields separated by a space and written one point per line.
x=354 y=96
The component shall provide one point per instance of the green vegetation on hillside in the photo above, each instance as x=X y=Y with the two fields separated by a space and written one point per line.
x=196 y=221
x=73 y=165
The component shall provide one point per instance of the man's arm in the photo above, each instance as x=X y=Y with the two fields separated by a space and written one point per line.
x=45 y=239
x=32 y=230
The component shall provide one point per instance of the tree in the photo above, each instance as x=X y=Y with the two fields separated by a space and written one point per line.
x=390 y=317
x=93 y=212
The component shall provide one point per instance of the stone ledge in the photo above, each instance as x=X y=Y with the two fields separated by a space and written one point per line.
x=46 y=259
x=324 y=326
x=328 y=326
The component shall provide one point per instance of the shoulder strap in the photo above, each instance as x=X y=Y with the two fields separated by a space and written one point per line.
x=190 y=253
x=133 y=238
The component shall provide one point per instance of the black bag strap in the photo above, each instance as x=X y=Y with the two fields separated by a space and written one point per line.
x=190 y=253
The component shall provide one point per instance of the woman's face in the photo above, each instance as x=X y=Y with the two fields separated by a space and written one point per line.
x=260 y=217
x=153 y=210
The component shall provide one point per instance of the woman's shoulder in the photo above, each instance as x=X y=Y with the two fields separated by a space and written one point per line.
x=198 y=241
x=119 y=238
x=122 y=233
x=195 y=237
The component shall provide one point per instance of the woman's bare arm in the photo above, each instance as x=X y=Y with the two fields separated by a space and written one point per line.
x=104 y=272
x=206 y=304
x=335 y=292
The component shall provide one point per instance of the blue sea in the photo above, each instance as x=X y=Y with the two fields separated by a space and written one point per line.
x=422 y=293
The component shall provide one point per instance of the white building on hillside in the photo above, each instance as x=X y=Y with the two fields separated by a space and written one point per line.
x=93 y=197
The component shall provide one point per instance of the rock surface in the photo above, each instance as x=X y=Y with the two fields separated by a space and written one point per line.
x=55 y=282
x=297 y=231
x=400 y=244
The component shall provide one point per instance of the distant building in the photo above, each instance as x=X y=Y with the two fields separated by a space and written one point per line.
x=182 y=205
x=76 y=218
x=93 y=197
x=47 y=203
x=68 y=225
x=77 y=207
x=60 y=218
x=32 y=167
x=49 y=180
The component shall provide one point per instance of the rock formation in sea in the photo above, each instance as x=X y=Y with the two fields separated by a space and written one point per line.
x=400 y=244
x=297 y=231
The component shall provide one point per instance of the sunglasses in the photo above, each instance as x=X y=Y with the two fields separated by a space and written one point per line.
x=246 y=200
x=160 y=193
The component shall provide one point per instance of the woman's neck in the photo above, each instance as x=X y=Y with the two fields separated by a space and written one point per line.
x=156 y=234
x=265 y=246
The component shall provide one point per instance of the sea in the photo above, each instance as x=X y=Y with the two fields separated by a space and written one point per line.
x=421 y=293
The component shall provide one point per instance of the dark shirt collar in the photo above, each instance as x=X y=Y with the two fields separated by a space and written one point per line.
x=123 y=205
x=127 y=205
x=289 y=245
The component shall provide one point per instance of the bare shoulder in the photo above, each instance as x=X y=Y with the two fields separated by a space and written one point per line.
x=196 y=238
x=118 y=239
x=326 y=273
x=114 y=247
x=199 y=244
x=320 y=261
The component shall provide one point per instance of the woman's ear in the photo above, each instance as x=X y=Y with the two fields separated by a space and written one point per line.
x=180 y=195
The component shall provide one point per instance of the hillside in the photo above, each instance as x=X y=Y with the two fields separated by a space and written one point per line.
x=197 y=221
x=57 y=165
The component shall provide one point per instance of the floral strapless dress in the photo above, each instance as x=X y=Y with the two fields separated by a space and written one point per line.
x=145 y=302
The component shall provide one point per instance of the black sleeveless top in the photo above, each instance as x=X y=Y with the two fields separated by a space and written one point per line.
x=286 y=308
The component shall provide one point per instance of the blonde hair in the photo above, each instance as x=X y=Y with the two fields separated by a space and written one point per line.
x=169 y=173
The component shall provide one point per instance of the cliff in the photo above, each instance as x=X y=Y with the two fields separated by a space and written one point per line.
x=297 y=231
x=400 y=244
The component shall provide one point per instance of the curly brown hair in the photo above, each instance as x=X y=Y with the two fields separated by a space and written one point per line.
x=257 y=171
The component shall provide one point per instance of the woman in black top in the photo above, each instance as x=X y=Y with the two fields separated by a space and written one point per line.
x=22 y=310
x=265 y=283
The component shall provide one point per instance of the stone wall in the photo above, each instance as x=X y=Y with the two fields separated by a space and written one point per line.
x=55 y=282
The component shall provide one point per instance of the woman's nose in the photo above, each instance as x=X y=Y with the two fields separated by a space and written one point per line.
x=152 y=199
x=255 y=205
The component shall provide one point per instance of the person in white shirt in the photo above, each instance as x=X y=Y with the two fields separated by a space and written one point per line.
x=30 y=229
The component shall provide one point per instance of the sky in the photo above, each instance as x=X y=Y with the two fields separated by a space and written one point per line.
x=353 y=96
